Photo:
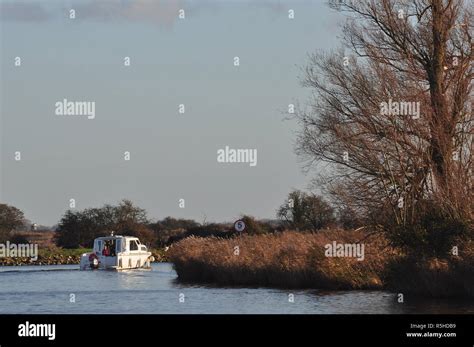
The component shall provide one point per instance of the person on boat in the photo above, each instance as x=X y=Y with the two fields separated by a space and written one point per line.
x=106 y=251
x=112 y=248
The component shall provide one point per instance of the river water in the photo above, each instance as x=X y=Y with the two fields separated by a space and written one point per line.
x=65 y=289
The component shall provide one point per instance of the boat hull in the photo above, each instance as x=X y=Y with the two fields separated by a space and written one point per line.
x=118 y=263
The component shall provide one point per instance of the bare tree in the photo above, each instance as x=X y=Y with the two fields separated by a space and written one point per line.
x=392 y=108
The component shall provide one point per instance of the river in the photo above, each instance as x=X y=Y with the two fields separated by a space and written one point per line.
x=65 y=289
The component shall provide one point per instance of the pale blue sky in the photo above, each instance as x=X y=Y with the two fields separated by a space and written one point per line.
x=173 y=61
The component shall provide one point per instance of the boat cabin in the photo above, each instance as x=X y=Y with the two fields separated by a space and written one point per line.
x=117 y=252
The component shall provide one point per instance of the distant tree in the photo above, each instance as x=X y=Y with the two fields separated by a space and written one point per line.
x=70 y=231
x=140 y=230
x=170 y=229
x=11 y=218
x=170 y=223
x=306 y=212
x=126 y=212
x=80 y=228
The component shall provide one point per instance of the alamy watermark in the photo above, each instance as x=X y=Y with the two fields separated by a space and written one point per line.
x=28 y=329
x=400 y=108
x=75 y=108
x=345 y=250
x=230 y=155
x=21 y=250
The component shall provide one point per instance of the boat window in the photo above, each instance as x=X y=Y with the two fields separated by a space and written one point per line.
x=142 y=248
x=133 y=246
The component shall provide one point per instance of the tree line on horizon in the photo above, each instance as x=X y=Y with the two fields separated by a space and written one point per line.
x=78 y=228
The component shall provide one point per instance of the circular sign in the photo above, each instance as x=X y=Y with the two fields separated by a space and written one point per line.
x=239 y=225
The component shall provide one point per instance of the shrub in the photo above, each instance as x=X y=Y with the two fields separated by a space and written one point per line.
x=11 y=218
x=170 y=229
x=254 y=227
x=206 y=230
x=451 y=276
x=433 y=234
x=306 y=212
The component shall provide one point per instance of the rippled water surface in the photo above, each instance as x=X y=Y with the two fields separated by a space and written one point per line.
x=48 y=289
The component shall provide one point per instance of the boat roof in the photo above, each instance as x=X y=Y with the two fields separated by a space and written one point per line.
x=115 y=237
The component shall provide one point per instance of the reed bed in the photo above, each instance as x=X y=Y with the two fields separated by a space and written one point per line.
x=286 y=260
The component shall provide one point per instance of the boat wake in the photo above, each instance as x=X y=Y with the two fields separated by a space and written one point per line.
x=30 y=270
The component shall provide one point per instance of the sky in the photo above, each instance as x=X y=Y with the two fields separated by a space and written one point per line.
x=173 y=61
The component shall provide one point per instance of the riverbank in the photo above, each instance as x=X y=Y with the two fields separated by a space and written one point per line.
x=301 y=260
x=61 y=256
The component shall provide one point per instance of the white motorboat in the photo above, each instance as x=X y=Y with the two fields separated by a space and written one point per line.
x=116 y=253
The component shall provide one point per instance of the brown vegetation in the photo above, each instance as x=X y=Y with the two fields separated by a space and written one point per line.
x=287 y=259
x=297 y=260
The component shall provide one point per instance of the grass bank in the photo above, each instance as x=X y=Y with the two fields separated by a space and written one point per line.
x=298 y=260
x=47 y=256
x=62 y=256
